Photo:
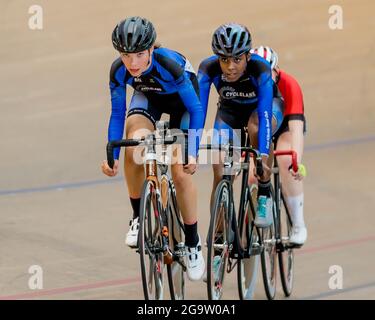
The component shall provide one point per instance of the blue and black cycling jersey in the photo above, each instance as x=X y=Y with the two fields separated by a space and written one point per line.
x=170 y=77
x=253 y=90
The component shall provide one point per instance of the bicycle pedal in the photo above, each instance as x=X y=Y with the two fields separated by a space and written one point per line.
x=136 y=247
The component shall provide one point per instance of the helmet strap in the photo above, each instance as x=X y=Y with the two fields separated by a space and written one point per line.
x=149 y=57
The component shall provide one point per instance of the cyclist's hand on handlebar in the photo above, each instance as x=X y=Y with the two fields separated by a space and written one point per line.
x=191 y=167
x=107 y=170
x=300 y=174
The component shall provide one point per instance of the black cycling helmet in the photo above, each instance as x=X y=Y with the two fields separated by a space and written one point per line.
x=231 y=40
x=133 y=35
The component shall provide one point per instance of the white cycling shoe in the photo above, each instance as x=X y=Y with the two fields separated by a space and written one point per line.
x=132 y=235
x=299 y=236
x=194 y=262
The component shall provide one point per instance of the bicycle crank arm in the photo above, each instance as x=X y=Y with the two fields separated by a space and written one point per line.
x=180 y=262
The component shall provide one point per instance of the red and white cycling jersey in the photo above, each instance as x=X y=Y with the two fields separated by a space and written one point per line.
x=292 y=94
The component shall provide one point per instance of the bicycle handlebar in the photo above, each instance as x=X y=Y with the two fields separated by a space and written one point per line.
x=291 y=153
x=132 y=143
x=254 y=152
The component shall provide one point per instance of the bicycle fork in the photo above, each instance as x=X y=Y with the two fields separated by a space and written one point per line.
x=169 y=256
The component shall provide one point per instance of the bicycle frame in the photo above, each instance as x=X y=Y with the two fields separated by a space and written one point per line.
x=237 y=251
x=160 y=239
x=161 y=186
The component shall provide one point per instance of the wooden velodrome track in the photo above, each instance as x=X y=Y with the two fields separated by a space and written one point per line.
x=58 y=211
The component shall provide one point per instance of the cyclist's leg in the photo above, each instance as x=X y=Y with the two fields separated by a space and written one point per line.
x=224 y=133
x=263 y=218
x=186 y=194
x=291 y=187
x=292 y=137
x=185 y=188
x=140 y=121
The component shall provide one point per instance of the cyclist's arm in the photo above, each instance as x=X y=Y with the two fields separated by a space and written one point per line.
x=265 y=96
x=294 y=104
x=117 y=119
x=197 y=114
x=204 y=82
x=296 y=131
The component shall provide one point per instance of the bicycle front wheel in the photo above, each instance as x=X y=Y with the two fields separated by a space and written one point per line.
x=269 y=255
x=248 y=267
x=217 y=242
x=176 y=274
x=286 y=255
x=150 y=244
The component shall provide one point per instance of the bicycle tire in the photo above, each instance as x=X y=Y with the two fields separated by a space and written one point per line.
x=269 y=255
x=149 y=242
x=286 y=255
x=176 y=273
x=247 y=268
x=218 y=241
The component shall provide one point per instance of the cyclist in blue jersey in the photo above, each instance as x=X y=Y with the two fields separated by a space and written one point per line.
x=163 y=82
x=248 y=97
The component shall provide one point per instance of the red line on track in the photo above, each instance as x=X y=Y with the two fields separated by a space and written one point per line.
x=119 y=282
x=96 y=285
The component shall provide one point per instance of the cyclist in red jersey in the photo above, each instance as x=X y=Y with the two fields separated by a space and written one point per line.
x=290 y=136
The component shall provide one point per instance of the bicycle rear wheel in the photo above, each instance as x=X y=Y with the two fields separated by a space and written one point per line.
x=150 y=244
x=176 y=273
x=217 y=242
x=286 y=255
x=248 y=267
x=269 y=255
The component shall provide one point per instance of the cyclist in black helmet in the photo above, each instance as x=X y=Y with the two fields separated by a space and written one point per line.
x=248 y=98
x=164 y=82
